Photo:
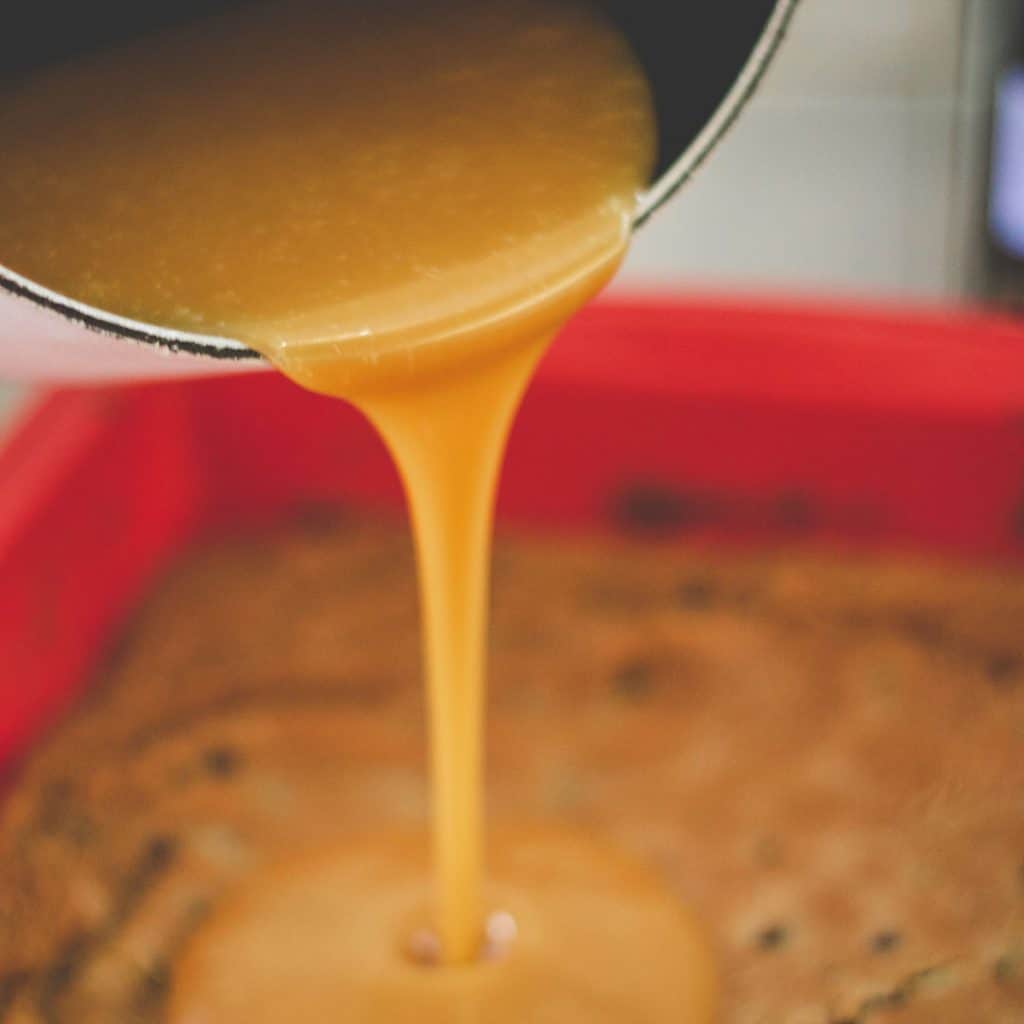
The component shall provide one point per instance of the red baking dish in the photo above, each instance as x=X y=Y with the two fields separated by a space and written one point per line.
x=757 y=422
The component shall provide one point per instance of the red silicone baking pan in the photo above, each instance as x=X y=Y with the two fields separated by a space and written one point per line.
x=677 y=421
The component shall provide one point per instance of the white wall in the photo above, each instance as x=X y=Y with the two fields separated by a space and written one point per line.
x=858 y=168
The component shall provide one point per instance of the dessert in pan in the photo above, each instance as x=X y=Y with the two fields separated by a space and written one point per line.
x=819 y=754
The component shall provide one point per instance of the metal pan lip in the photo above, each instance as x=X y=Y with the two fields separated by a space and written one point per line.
x=749 y=78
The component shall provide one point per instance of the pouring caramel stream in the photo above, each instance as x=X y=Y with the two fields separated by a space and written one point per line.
x=399 y=205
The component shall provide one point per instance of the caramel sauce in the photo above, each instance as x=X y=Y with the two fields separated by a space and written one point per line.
x=399 y=205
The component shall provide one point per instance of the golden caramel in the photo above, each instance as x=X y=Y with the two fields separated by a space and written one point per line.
x=335 y=183
x=595 y=940
x=399 y=204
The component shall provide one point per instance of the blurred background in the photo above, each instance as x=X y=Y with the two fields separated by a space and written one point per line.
x=863 y=168
x=860 y=168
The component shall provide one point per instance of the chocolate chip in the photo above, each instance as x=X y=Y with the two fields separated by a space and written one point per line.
x=656 y=510
x=1008 y=970
x=319 y=518
x=886 y=941
x=773 y=937
x=154 y=987
x=894 y=1000
x=924 y=628
x=11 y=985
x=634 y=679
x=796 y=511
x=1004 y=667
x=59 y=815
x=696 y=593
x=153 y=861
x=55 y=797
x=222 y=762
x=64 y=968
x=159 y=854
